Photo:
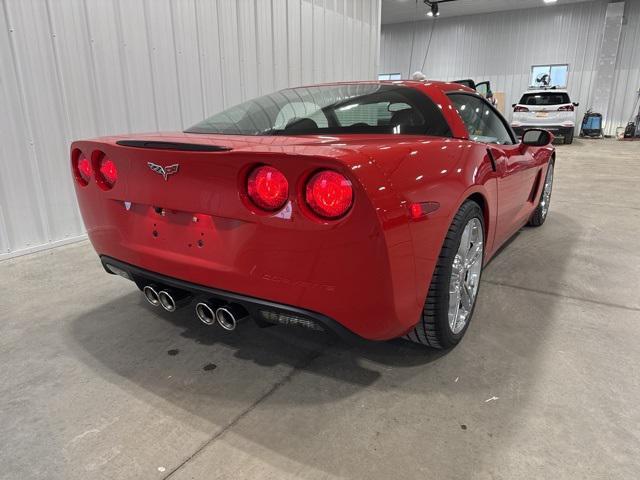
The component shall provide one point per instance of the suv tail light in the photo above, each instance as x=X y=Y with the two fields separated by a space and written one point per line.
x=520 y=109
x=268 y=188
x=566 y=108
x=81 y=167
x=329 y=194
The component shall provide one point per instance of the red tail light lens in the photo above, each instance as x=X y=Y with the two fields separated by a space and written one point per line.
x=84 y=168
x=520 y=109
x=81 y=167
x=107 y=173
x=329 y=194
x=566 y=108
x=268 y=188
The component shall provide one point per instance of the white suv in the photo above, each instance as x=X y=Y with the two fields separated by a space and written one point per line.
x=550 y=109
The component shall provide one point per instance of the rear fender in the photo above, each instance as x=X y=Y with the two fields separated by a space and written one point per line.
x=445 y=172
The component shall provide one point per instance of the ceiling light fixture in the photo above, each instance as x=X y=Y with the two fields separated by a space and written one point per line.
x=434 y=6
x=550 y=1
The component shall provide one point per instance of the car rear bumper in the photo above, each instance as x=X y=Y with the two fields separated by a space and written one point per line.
x=264 y=312
x=363 y=287
x=560 y=130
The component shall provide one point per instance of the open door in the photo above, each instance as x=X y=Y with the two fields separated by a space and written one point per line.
x=467 y=83
x=483 y=88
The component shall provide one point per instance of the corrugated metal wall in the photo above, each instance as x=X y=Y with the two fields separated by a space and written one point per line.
x=83 y=68
x=502 y=47
x=626 y=80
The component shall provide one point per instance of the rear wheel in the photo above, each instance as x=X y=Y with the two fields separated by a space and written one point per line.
x=540 y=213
x=454 y=286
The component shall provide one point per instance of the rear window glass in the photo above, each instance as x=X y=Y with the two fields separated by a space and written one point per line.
x=332 y=109
x=545 y=98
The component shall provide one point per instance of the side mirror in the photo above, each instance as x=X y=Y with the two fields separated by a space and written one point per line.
x=513 y=105
x=576 y=104
x=536 y=137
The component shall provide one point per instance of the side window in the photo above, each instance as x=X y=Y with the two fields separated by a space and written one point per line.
x=482 y=123
x=355 y=113
x=296 y=110
x=372 y=114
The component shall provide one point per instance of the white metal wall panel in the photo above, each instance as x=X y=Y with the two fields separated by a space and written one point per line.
x=279 y=16
x=607 y=59
x=186 y=46
x=502 y=47
x=83 y=68
x=626 y=82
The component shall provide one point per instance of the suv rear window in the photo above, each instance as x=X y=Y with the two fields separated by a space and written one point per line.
x=545 y=98
x=332 y=109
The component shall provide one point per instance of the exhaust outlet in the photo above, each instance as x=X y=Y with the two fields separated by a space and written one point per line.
x=229 y=316
x=151 y=294
x=171 y=299
x=205 y=313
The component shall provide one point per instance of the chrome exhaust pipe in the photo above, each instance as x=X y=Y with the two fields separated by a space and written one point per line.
x=151 y=294
x=206 y=313
x=229 y=316
x=171 y=299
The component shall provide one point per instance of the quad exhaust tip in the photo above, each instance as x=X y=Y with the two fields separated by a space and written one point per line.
x=166 y=300
x=227 y=316
x=226 y=319
x=230 y=315
x=151 y=294
x=205 y=313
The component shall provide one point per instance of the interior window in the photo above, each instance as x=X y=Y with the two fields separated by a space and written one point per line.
x=549 y=76
x=482 y=123
x=389 y=76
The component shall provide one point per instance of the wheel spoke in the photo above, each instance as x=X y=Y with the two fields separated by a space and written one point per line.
x=466 y=297
x=458 y=265
x=465 y=274
x=546 y=194
x=465 y=243
x=474 y=255
x=454 y=301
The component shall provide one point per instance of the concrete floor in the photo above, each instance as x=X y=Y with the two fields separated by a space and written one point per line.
x=96 y=384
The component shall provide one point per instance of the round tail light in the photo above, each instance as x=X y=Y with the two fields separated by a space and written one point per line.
x=268 y=188
x=107 y=173
x=329 y=194
x=82 y=168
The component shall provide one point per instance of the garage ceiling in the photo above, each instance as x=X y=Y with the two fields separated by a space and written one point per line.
x=397 y=11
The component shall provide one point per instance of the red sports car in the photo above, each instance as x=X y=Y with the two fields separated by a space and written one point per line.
x=365 y=207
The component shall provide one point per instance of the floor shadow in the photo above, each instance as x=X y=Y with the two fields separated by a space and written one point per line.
x=130 y=337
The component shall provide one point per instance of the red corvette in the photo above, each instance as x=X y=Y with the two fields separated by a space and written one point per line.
x=366 y=208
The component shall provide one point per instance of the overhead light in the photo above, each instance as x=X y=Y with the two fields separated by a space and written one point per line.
x=549 y=1
x=434 y=6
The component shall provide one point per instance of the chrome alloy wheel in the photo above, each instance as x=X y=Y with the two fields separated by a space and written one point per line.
x=465 y=275
x=546 y=193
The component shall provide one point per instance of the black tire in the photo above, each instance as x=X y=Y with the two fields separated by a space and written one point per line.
x=568 y=138
x=433 y=329
x=538 y=216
